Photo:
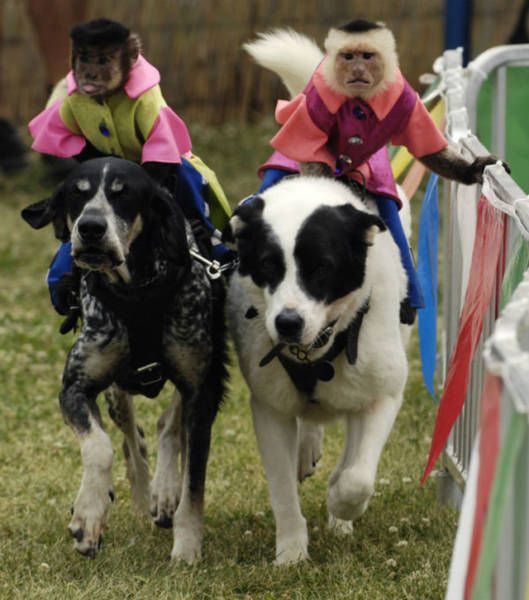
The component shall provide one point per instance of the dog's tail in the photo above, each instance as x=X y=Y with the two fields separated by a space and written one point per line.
x=293 y=56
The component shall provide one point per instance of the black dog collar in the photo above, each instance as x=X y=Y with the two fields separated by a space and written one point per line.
x=305 y=375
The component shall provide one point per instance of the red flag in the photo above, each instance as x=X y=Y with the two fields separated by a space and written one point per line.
x=487 y=246
x=489 y=445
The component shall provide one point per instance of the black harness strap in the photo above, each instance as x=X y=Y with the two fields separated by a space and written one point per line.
x=305 y=375
x=141 y=308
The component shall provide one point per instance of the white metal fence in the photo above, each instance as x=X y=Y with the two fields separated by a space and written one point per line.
x=460 y=88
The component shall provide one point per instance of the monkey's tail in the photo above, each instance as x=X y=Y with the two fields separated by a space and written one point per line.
x=293 y=56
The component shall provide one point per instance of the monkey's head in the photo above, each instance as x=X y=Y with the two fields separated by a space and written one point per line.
x=103 y=52
x=361 y=58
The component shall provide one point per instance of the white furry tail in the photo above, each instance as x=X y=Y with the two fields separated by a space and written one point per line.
x=293 y=56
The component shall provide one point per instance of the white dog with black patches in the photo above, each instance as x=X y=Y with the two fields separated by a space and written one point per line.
x=314 y=312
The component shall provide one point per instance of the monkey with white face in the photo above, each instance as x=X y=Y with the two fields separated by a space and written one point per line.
x=356 y=101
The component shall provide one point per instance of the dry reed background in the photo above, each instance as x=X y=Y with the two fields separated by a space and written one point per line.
x=197 y=46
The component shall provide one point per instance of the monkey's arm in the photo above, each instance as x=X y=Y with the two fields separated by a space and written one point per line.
x=450 y=164
x=51 y=135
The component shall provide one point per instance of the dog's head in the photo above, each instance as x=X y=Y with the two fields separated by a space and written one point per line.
x=305 y=243
x=103 y=207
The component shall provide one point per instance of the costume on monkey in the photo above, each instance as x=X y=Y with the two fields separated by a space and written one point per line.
x=134 y=123
x=349 y=133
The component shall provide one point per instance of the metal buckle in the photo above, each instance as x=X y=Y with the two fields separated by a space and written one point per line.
x=151 y=373
x=213 y=267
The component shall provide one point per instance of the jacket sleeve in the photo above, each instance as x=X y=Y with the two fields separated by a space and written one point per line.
x=165 y=134
x=299 y=138
x=52 y=136
x=421 y=136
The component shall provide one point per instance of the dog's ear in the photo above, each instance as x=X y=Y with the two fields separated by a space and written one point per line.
x=51 y=210
x=248 y=210
x=171 y=221
x=373 y=225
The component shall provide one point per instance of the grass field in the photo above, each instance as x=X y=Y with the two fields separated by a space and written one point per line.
x=400 y=548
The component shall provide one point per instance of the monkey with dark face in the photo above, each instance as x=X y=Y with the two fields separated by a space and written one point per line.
x=356 y=101
x=113 y=102
x=113 y=105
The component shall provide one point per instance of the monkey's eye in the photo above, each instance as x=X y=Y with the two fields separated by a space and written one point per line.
x=368 y=55
x=83 y=58
x=103 y=60
x=348 y=55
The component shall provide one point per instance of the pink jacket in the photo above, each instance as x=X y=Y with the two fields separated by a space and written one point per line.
x=322 y=125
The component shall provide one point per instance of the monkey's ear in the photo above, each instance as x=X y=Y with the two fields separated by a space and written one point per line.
x=50 y=210
x=133 y=47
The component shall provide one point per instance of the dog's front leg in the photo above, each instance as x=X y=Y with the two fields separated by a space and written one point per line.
x=95 y=493
x=121 y=411
x=310 y=440
x=353 y=481
x=88 y=371
x=277 y=441
x=166 y=485
x=188 y=526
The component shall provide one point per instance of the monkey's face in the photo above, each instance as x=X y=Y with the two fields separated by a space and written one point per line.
x=358 y=70
x=99 y=71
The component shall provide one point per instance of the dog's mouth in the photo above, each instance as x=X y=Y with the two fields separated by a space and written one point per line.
x=95 y=259
x=301 y=351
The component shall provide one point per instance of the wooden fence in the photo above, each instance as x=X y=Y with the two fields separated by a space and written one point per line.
x=196 y=44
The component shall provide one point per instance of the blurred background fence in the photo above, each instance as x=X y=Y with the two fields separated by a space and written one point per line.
x=196 y=44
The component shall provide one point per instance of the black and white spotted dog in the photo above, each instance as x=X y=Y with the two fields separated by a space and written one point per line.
x=149 y=314
x=314 y=311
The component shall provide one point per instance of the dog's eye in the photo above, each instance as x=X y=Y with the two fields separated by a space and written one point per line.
x=117 y=186
x=322 y=269
x=82 y=185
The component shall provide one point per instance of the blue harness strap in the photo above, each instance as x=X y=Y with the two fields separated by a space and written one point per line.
x=271 y=177
x=389 y=213
x=61 y=264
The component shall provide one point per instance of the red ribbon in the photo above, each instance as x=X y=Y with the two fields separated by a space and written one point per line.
x=481 y=286
x=489 y=446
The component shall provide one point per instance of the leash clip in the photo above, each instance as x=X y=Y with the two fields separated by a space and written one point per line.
x=214 y=268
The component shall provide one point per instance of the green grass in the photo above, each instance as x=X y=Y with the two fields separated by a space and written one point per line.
x=401 y=546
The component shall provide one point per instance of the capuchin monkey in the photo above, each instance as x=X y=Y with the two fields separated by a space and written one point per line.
x=360 y=63
x=362 y=66
x=102 y=57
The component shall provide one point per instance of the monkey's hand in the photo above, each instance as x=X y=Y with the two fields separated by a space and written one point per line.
x=316 y=169
x=450 y=164
x=479 y=164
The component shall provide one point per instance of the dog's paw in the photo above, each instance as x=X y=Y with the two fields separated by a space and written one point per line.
x=340 y=527
x=187 y=546
x=349 y=495
x=165 y=496
x=309 y=449
x=88 y=522
x=291 y=551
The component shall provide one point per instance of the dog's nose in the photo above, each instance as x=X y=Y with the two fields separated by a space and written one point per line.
x=289 y=324
x=92 y=228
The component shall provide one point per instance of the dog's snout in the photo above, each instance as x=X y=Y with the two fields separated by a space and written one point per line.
x=289 y=324
x=92 y=228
